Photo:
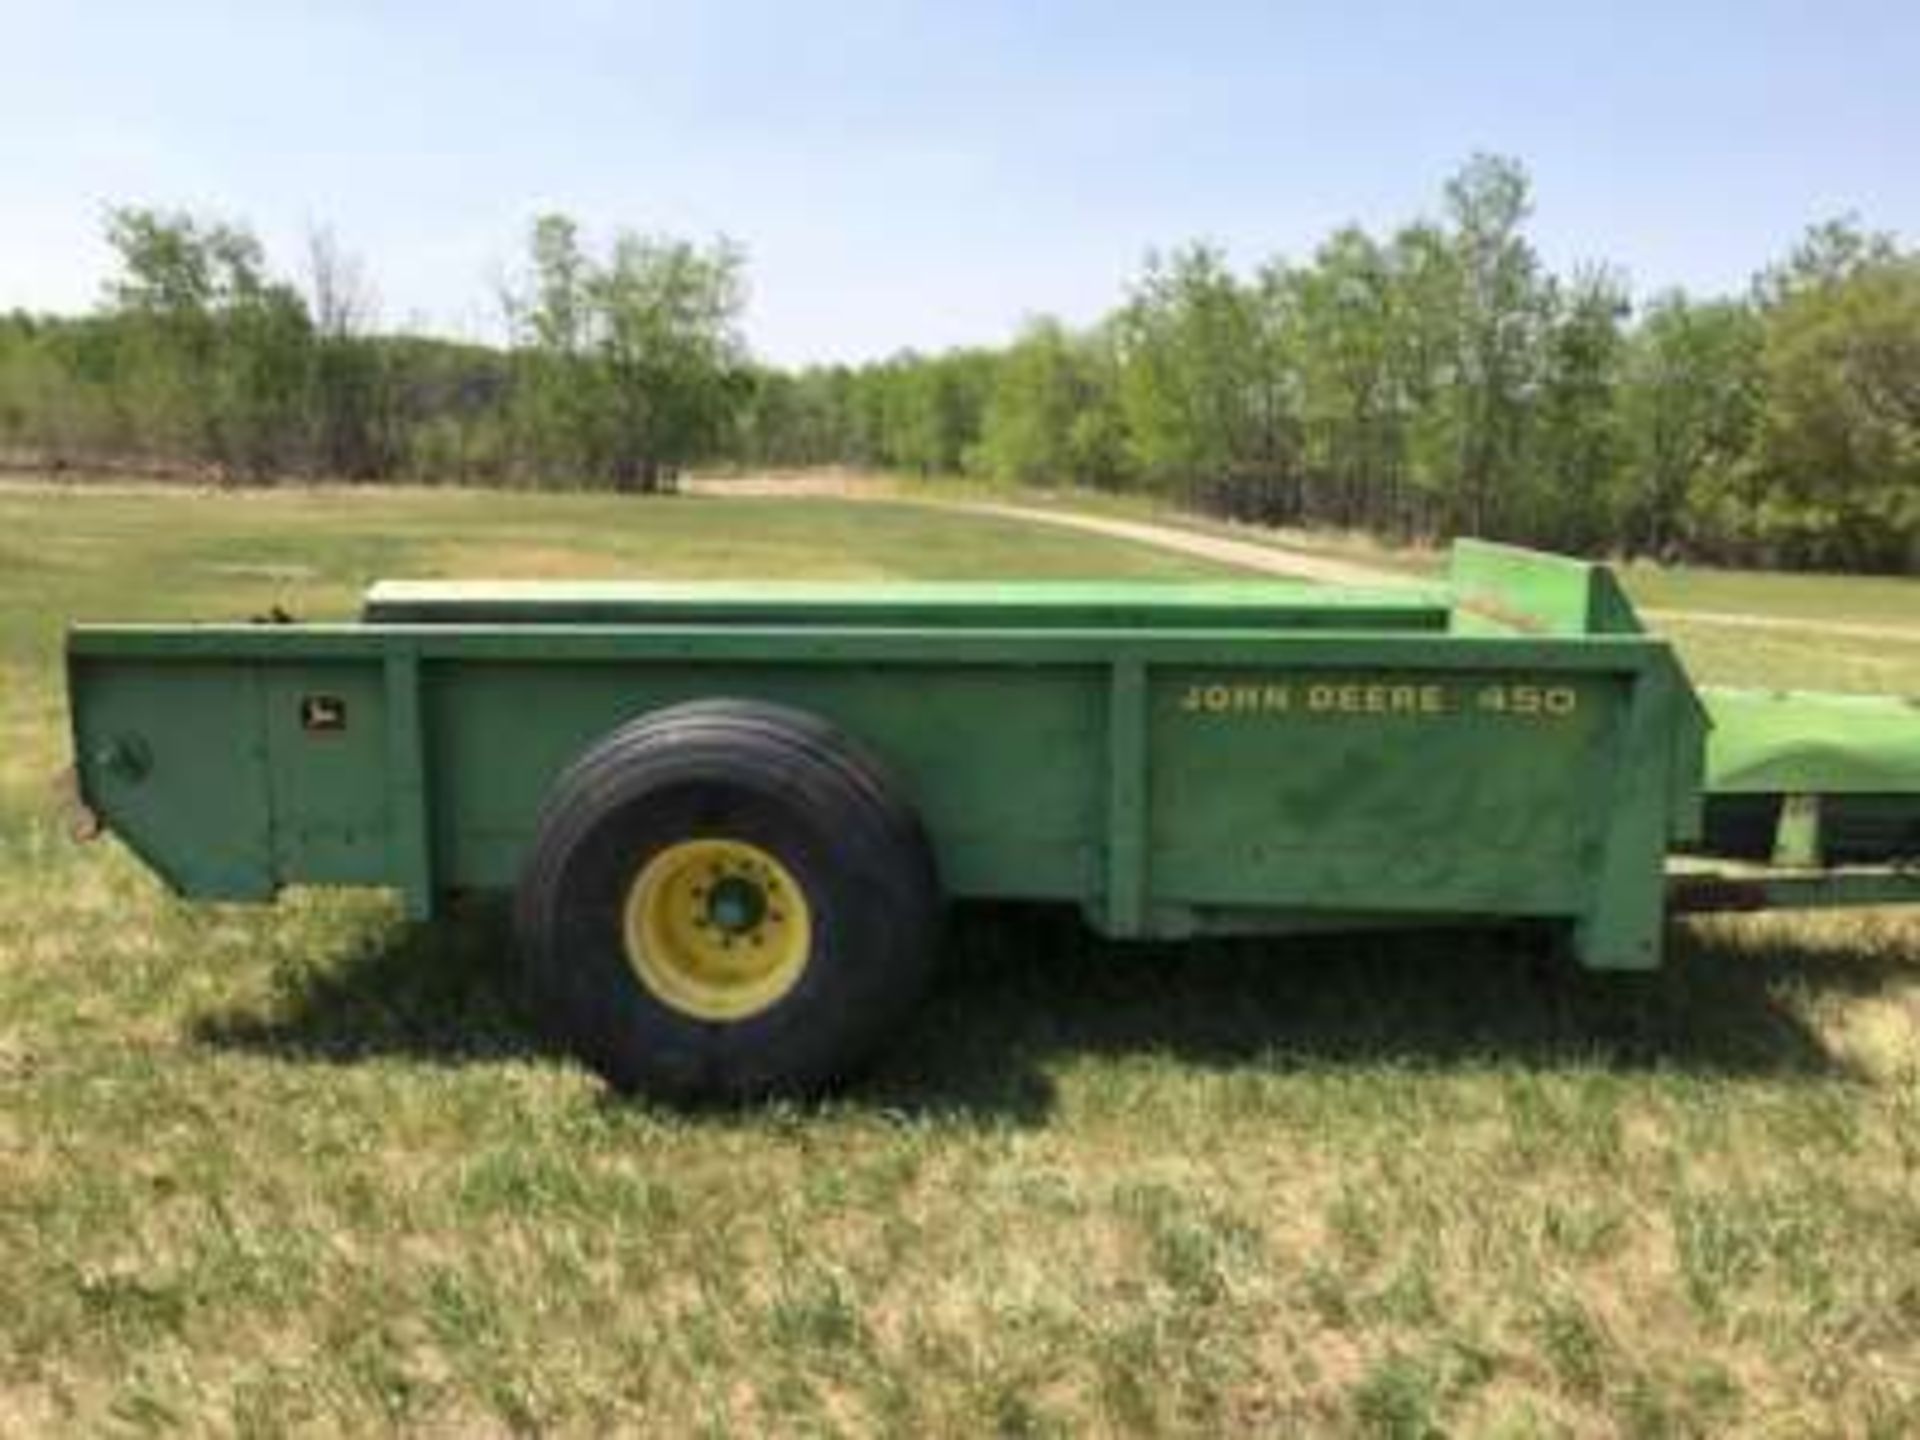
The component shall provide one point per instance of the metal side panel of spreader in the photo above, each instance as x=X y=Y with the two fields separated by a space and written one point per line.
x=1813 y=800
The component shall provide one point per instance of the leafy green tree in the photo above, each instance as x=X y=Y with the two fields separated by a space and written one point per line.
x=228 y=348
x=559 y=396
x=1052 y=416
x=1689 y=409
x=1578 y=445
x=635 y=364
x=352 y=399
x=1841 y=430
x=1198 y=396
x=451 y=410
x=766 y=427
x=1501 y=313
x=1828 y=253
x=1429 y=298
x=1345 y=306
x=667 y=314
x=933 y=408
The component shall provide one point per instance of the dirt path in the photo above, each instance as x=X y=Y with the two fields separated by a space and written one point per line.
x=822 y=483
x=1272 y=560
x=1248 y=554
x=1851 y=629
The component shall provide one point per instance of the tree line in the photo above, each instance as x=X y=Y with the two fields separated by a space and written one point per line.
x=1432 y=381
x=199 y=361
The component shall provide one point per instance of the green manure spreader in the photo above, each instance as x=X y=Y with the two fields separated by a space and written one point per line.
x=732 y=814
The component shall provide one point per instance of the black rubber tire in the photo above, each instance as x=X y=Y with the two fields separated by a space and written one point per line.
x=774 y=777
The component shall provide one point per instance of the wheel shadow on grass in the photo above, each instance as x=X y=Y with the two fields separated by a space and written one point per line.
x=1024 y=990
x=443 y=992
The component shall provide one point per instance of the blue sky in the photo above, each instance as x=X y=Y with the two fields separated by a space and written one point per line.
x=927 y=175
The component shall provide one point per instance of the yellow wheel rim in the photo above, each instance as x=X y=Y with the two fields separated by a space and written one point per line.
x=717 y=929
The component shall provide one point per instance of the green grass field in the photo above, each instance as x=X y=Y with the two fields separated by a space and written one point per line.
x=306 y=1168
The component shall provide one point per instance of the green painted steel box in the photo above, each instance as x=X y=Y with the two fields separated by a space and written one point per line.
x=1172 y=759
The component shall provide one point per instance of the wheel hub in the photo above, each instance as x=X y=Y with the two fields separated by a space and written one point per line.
x=717 y=929
x=736 y=905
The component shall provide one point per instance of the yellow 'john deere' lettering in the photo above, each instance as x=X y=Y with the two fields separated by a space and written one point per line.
x=1373 y=698
x=1242 y=699
x=1388 y=698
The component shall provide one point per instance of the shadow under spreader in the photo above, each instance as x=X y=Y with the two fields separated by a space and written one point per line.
x=1022 y=987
